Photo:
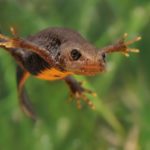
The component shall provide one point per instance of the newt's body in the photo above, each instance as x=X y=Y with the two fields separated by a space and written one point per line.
x=57 y=53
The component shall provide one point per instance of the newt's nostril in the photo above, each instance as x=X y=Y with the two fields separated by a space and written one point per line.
x=104 y=57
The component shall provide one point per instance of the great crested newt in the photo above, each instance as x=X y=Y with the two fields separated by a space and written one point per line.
x=58 y=53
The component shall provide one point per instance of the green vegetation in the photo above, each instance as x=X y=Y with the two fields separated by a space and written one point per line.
x=122 y=116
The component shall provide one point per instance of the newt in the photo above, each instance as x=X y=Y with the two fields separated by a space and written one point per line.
x=57 y=54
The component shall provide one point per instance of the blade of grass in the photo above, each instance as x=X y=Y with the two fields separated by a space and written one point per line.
x=103 y=110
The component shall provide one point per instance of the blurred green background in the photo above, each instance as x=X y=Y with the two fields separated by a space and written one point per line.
x=122 y=116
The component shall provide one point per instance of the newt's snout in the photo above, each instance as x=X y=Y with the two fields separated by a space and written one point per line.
x=97 y=65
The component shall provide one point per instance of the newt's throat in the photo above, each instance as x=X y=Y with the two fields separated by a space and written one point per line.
x=52 y=74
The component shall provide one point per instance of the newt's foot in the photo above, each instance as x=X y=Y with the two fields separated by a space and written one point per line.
x=128 y=50
x=8 y=42
x=122 y=46
x=79 y=94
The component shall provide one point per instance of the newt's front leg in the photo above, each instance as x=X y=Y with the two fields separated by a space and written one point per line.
x=79 y=93
x=10 y=43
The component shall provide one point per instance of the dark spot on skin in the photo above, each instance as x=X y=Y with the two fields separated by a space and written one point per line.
x=55 y=44
x=104 y=57
x=57 y=76
x=35 y=64
x=57 y=56
x=60 y=68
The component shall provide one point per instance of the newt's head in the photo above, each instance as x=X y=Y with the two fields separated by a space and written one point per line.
x=80 y=57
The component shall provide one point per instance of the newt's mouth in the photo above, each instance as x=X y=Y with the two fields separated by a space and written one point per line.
x=91 y=69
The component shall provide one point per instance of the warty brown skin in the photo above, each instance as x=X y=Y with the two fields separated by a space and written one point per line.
x=67 y=40
x=57 y=53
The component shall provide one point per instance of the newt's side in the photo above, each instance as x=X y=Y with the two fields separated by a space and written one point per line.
x=58 y=53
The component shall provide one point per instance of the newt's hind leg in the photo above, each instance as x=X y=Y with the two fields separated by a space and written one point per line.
x=25 y=104
x=79 y=93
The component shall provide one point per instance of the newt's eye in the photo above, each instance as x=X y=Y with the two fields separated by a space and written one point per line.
x=75 y=54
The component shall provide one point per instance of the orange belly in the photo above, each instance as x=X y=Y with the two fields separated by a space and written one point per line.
x=52 y=74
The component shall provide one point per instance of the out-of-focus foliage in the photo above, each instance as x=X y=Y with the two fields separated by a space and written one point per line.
x=122 y=117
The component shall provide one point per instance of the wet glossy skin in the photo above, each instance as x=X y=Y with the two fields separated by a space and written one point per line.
x=90 y=61
x=63 y=50
x=57 y=53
